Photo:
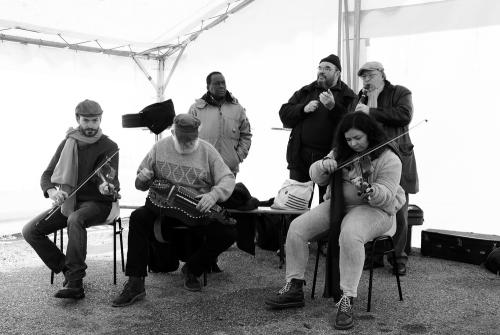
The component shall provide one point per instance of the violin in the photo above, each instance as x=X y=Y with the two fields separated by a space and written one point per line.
x=107 y=174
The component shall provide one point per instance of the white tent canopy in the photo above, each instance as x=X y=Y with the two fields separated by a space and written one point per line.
x=444 y=51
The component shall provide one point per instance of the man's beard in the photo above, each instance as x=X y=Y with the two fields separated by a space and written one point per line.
x=323 y=82
x=89 y=132
x=183 y=149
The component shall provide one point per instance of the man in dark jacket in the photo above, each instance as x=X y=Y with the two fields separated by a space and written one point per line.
x=391 y=105
x=79 y=154
x=313 y=113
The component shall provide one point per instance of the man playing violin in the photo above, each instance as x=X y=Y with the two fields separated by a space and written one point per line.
x=194 y=164
x=391 y=106
x=79 y=154
x=369 y=196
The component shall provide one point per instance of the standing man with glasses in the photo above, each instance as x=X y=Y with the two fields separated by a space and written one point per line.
x=313 y=113
x=391 y=106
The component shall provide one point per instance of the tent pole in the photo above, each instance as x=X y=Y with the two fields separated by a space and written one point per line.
x=355 y=60
x=339 y=30
x=347 y=42
x=174 y=66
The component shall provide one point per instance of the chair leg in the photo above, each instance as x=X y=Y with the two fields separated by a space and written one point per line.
x=281 y=238
x=114 y=252
x=315 y=271
x=370 y=282
x=396 y=272
x=121 y=242
x=52 y=272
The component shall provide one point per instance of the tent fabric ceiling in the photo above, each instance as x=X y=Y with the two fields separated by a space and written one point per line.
x=128 y=27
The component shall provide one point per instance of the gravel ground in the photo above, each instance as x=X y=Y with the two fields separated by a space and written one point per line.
x=440 y=297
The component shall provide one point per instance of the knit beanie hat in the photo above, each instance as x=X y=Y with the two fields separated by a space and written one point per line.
x=332 y=59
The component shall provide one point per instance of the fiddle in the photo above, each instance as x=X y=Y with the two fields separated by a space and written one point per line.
x=107 y=174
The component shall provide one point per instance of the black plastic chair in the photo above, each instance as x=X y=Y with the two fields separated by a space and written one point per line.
x=112 y=220
x=372 y=246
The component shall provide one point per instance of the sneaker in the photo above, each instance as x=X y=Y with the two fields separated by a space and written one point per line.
x=344 y=319
x=191 y=282
x=133 y=291
x=291 y=295
x=73 y=289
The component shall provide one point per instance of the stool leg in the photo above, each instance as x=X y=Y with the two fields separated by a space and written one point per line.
x=370 y=282
x=396 y=272
x=52 y=272
x=114 y=252
x=281 y=241
x=315 y=270
x=121 y=242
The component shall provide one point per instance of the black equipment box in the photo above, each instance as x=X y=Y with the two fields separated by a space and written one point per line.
x=415 y=218
x=458 y=246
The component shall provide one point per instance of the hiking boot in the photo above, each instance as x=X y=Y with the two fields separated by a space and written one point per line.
x=133 y=291
x=73 y=289
x=291 y=295
x=191 y=282
x=400 y=268
x=344 y=319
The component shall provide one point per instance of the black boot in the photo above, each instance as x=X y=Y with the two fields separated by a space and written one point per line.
x=73 y=289
x=291 y=295
x=344 y=319
x=133 y=291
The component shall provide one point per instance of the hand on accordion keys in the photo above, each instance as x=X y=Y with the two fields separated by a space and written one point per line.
x=205 y=203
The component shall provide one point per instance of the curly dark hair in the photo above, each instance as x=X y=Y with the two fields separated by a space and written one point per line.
x=363 y=122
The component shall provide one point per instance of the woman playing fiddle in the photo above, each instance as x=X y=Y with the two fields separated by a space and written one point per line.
x=371 y=197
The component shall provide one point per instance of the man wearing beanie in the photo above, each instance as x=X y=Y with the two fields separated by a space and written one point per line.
x=79 y=154
x=313 y=113
x=391 y=106
x=186 y=161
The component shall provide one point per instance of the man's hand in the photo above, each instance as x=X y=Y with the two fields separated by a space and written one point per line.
x=327 y=99
x=106 y=188
x=311 y=106
x=206 y=202
x=362 y=108
x=329 y=165
x=145 y=174
x=57 y=196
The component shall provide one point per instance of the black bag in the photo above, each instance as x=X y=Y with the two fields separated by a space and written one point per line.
x=162 y=257
x=492 y=262
x=267 y=227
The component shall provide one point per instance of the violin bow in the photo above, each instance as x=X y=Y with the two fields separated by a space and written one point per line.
x=343 y=165
x=78 y=187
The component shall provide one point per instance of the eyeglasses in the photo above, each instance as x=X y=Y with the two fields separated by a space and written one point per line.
x=367 y=76
x=325 y=69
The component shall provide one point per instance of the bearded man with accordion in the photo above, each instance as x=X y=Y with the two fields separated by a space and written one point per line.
x=185 y=177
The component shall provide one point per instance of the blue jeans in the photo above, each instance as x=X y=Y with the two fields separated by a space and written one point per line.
x=360 y=224
x=88 y=213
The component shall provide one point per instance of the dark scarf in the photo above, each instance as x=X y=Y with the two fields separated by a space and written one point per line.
x=337 y=212
x=209 y=99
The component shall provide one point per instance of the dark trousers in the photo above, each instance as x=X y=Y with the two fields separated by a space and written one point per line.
x=217 y=239
x=89 y=213
x=401 y=234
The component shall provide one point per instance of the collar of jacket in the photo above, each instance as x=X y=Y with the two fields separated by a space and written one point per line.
x=340 y=86
x=207 y=98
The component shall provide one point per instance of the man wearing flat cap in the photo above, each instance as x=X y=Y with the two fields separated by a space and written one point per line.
x=79 y=154
x=313 y=113
x=189 y=162
x=391 y=106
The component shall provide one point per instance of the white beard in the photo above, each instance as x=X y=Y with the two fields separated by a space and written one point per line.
x=181 y=149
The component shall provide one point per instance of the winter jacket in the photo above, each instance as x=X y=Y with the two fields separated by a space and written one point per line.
x=89 y=158
x=313 y=132
x=226 y=127
x=394 y=113
x=387 y=194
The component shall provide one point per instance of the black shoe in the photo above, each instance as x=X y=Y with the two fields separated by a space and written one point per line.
x=73 y=289
x=291 y=295
x=344 y=319
x=133 y=291
x=191 y=282
x=400 y=268
x=376 y=264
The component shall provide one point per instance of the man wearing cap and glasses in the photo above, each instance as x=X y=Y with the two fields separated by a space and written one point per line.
x=78 y=155
x=184 y=160
x=391 y=106
x=313 y=113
